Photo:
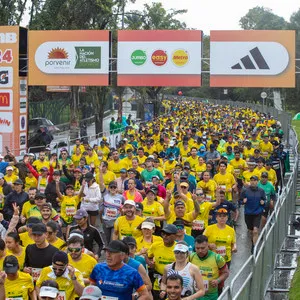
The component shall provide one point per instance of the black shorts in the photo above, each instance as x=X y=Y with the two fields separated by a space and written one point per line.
x=266 y=211
x=93 y=212
x=252 y=221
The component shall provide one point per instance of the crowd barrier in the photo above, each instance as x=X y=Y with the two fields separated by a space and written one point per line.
x=253 y=278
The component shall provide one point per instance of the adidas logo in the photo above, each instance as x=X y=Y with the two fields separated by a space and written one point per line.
x=247 y=62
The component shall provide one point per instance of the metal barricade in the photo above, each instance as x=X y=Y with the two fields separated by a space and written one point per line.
x=260 y=266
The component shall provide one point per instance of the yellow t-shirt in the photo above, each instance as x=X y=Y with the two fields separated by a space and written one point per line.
x=10 y=179
x=116 y=167
x=209 y=188
x=226 y=182
x=26 y=208
x=239 y=166
x=76 y=159
x=153 y=210
x=187 y=217
x=35 y=212
x=199 y=169
x=247 y=153
x=19 y=288
x=20 y=258
x=108 y=177
x=141 y=243
x=222 y=238
x=162 y=256
x=92 y=159
x=168 y=167
x=193 y=162
x=85 y=265
x=266 y=147
x=128 y=228
x=272 y=177
x=65 y=285
x=201 y=222
x=30 y=182
x=58 y=243
x=248 y=174
x=68 y=208
x=26 y=239
x=128 y=161
x=41 y=164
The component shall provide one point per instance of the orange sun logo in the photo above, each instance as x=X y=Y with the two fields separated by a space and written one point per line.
x=58 y=53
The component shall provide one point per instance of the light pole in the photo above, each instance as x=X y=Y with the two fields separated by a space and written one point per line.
x=263 y=96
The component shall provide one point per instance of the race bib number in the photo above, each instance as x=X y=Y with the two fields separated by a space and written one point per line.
x=61 y=295
x=109 y=298
x=237 y=171
x=206 y=285
x=221 y=250
x=18 y=298
x=70 y=211
x=35 y=273
x=111 y=212
x=198 y=225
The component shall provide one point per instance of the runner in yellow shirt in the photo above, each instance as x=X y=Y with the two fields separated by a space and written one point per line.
x=18 y=285
x=225 y=181
x=127 y=225
x=12 y=241
x=79 y=260
x=161 y=254
x=69 y=280
x=68 y=204
x=221 y=237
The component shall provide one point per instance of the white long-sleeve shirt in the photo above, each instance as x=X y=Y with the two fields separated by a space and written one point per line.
x=92 y=198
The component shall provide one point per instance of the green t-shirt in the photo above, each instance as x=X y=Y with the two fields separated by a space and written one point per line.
x=147 y=175
x=268 y=188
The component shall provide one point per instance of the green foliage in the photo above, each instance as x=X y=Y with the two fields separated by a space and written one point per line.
x=259 y=18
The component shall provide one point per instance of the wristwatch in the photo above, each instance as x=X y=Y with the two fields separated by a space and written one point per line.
x=73 y=278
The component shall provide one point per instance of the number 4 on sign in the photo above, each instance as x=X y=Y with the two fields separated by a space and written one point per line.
x=6 y=56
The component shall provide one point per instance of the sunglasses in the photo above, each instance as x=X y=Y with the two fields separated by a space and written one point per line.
x=184 y=187
x=180 y=227
x=166 y=233
x=200 y=194
x=58 y=268
x=75 y=250
x=179 y=252
x=113 y=187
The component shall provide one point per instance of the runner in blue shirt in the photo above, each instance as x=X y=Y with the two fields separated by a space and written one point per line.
x=116 y=279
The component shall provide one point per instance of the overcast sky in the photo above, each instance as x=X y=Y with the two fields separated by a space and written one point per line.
x=220 y=15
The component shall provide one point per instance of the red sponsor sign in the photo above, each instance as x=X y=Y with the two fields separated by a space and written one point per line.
x=4 y=99
x=159 y=57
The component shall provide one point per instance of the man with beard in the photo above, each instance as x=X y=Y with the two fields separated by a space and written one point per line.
x=35 y=211
x=127 y=225
x=69 y=280
x=28 y=204
x=41 y=162
x=80 y=260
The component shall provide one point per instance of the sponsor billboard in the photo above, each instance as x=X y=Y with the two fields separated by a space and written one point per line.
x=75 y=57
x=11 y=87
x=250 y=58
x=159 y=57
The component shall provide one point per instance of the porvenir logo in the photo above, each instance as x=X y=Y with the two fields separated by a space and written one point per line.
x=138 y=57
x=57 y=57
x=180 y=57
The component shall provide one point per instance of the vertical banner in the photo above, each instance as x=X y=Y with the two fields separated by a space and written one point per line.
x=11 y=95
x=159 y=57
x=69 y=58
x=252 y=58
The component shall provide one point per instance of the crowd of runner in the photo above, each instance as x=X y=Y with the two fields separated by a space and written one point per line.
x=153 y=218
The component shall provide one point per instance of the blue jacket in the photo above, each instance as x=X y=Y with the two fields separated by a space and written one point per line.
x=253 y=195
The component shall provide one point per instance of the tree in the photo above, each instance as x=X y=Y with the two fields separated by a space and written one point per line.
x=259 y=18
